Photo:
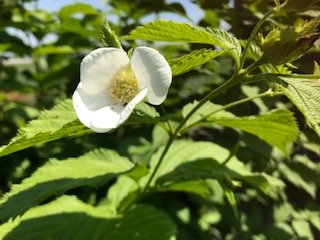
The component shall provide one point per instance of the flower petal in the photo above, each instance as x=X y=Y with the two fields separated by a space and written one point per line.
x=107 y=118
x=153 y=72
x=131 y=105
x=96 y=111
x=98 y=68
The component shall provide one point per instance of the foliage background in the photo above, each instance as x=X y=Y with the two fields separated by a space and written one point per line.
x=53 y=73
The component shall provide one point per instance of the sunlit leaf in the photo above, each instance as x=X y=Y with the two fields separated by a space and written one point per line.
x=55 y=177
x=278 y=128
x=303 y=229
x=305 y=94
x=122 y=194
x=144 y=113
x=205 y=111
x=59 y=122
x=299 y=179
x=192 y=60
x=162 y=30
x=69 y=218
x=188 y=161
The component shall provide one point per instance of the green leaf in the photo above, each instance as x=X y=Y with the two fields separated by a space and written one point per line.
x=185 y=151
x=188 y=161
x=170 y=31
x=144 y=113
x=65 y=216
x=230 y=196
x=43 y=50
x=303 y=229
x=109 y=37
x=211 y=169
x=122 y=194
x=278 y=128
x=297 y=178
x=198 y=187
x=305 y=94
x=144 y=223
x=192 y=60
x=205 y=111
x=69 y=218
x=55 y=177
x=59 y=122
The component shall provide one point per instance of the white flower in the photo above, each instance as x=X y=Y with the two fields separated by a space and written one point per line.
x=111 y=85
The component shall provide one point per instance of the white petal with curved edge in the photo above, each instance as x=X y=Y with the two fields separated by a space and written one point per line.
x=96 y=111
x=98 y=68
x=131 y=105
x=106 y=118
x=153 y=72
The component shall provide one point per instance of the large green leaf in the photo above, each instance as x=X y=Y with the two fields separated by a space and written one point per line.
x=277 y=128
x=192 y=60
x=169 y=31
x=57 y=123
x=69 y=218
x=304 y=93
x=188 y=161
x=62 y=121
x=55 y=177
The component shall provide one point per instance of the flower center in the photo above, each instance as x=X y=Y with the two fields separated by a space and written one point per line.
x=124 y=87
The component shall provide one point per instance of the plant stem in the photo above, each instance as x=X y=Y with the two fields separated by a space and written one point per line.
x=253 y=34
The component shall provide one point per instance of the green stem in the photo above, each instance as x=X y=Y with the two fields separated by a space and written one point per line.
x=166 y=119
x=253 y=34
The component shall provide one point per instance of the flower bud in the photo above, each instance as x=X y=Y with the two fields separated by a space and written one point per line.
x=285 y=45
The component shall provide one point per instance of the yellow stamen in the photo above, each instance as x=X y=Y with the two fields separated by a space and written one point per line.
x=124 y=87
